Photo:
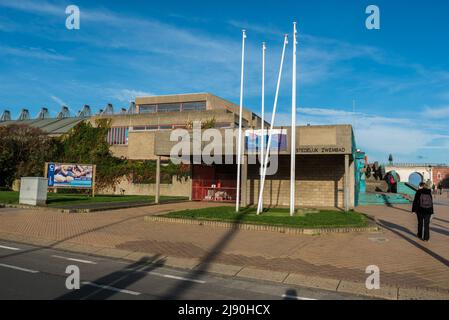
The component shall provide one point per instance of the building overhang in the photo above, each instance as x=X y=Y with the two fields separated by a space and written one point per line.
x=310 y=140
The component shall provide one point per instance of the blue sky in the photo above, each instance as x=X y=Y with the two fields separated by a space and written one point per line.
x=398 y=75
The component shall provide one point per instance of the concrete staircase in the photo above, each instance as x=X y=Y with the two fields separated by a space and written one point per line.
x=380 y=198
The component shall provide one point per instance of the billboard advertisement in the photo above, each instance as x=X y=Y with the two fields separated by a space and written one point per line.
x=62 y=175
x=253 y=140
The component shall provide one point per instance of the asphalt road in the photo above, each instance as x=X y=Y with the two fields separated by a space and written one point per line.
x=29 y=272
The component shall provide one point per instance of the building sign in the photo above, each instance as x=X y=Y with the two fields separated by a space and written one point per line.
x=62 y=175
x=253 y=140
x=322 y=150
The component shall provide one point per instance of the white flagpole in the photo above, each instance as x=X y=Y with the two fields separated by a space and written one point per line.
x=273 y=116
x=239 y=142
x=262 y=142
x=293 y=130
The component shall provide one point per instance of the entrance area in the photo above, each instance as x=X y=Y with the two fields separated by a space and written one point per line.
x=214 y=183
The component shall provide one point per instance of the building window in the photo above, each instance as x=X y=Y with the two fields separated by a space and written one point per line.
x=222 y=125
x=166 y=127
x=146 y=128
x=148 y=108
x=118 y=136
x=169 y=107
x=194 y=106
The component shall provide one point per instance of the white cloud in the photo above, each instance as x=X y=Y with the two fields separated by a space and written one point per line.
x=393 y=139
x=437 y=112
x=34 y=53
x=58 y=100
x=127 y=95
x=34 y=7
x=375 y=134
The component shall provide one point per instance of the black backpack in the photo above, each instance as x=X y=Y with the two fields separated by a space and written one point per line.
x=425 y=201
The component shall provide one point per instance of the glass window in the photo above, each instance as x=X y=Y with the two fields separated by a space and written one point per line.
x=194 y=106
x=169 y=107
x=223 y=125
x=118 y=136
x=152 y=128
x=165 y=127
x=139 y=128
x=148 y=108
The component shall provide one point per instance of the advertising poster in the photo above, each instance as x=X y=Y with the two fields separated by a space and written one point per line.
x=70 y=175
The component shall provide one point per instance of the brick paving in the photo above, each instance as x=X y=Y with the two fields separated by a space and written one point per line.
x=403 y=259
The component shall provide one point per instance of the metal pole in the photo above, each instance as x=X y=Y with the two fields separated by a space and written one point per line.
x=262 y=142
x=346 y=186
x=293 y=130
x=158 y=181
x=259 y=206
x=239 y=142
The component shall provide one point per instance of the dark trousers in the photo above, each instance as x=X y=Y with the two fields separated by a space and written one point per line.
x=423 y=226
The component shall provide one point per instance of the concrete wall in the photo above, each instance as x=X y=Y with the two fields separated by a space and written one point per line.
x=176 y=188
x=405 y=172
x=319 y=182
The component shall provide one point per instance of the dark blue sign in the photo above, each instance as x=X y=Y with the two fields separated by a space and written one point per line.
x=51 y=174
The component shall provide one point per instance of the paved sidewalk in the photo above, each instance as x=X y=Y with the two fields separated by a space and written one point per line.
x=404 y=261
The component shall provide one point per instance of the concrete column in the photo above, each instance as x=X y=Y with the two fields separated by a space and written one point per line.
x=244 y=188
x=158 y=180
x=347 y=182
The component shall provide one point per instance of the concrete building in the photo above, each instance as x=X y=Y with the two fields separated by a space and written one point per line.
x=325 y=175
x=133 y=135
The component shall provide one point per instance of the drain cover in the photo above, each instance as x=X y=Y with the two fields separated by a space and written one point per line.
x=379 y=240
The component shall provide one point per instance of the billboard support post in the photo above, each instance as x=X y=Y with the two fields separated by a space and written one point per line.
x=94 y=174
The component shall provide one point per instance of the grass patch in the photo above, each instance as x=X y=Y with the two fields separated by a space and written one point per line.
x=61 y=199
x=276 y=217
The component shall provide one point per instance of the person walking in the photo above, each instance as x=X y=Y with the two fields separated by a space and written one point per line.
x=440 y=188
x=423 y=208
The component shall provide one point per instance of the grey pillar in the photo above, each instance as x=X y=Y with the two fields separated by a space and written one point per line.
x=244 y=188
x=346 y=181
x=158 y=180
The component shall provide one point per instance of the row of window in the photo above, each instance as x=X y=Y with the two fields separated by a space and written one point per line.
x=173 y=107
x=174 y=126
x=118 y=136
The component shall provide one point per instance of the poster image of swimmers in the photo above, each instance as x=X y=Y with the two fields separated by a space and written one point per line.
x=70 y=175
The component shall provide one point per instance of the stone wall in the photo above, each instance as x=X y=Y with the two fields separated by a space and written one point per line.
x=176 y=188
x=319 y=182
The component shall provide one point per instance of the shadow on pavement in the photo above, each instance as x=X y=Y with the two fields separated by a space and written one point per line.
x=441 y=220
x=52 y=246
x=121 y=279
x=396 y=228
x=177 y=291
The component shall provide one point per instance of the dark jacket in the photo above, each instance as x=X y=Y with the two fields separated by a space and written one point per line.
x=416 y=207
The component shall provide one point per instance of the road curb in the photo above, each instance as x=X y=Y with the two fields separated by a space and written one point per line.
x=254 y=227
x=243 y=272
x=92 y=210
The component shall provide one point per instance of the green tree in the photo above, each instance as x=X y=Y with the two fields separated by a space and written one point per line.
x=390 y=158
x=86 y=144
x=23 y=152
